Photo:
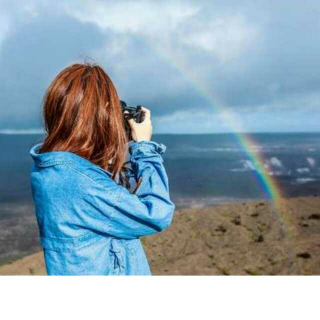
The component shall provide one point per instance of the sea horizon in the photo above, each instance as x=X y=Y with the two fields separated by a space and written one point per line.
x=38 y=132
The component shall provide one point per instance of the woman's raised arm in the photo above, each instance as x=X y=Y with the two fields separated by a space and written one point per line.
x=126 y=215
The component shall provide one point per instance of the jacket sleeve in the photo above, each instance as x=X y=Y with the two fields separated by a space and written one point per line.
x=150 y=210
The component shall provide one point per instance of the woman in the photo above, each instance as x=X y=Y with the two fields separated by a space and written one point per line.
x=89 y=223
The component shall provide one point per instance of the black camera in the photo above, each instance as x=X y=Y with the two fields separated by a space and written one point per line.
x=135 y=113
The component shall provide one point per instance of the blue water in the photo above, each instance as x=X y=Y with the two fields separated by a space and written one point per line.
x=207 y=166
x=203 y=170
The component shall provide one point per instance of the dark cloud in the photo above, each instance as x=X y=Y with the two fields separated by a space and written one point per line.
x=30 y=58
x=260 y=55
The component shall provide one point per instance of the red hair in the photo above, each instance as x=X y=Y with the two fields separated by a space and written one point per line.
x=82 y=114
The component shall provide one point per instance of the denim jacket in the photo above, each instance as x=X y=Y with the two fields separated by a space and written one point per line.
x=91 y=225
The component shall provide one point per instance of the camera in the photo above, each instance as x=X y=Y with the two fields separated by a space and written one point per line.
x=135 y=113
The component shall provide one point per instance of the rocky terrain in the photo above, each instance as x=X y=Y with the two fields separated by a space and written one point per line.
x=249 y=238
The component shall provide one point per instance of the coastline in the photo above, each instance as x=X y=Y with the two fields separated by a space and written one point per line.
x=237 y=238
x=20 y=238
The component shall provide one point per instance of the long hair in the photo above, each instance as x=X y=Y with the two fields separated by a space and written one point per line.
x=82 y=114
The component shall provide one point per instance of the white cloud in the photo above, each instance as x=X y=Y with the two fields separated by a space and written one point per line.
x=225 y=36
x=161 y=23
x=30 y=8
x=144 y=17
x=4 y=28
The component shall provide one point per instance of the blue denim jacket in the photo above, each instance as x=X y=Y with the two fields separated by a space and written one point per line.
x=91 y=225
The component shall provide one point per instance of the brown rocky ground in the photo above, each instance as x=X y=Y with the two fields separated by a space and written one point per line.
x=229 y=239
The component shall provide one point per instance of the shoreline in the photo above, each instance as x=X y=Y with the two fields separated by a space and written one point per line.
x=238 y=238
x=18 y=222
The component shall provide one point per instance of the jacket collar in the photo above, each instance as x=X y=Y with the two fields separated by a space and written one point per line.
x=52 y=158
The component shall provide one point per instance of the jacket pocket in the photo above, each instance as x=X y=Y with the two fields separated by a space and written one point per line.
x=69 y=244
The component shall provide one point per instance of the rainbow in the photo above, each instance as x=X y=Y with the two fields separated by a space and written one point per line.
x=266 y=182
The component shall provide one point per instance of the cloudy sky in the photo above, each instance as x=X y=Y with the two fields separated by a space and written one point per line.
x=200 y=66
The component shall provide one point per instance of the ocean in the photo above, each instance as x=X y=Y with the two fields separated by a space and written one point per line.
x=203 y=169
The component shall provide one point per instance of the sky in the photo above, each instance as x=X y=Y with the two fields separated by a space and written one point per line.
x=199 y=66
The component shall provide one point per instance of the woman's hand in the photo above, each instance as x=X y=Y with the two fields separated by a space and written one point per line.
x=142 y=131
